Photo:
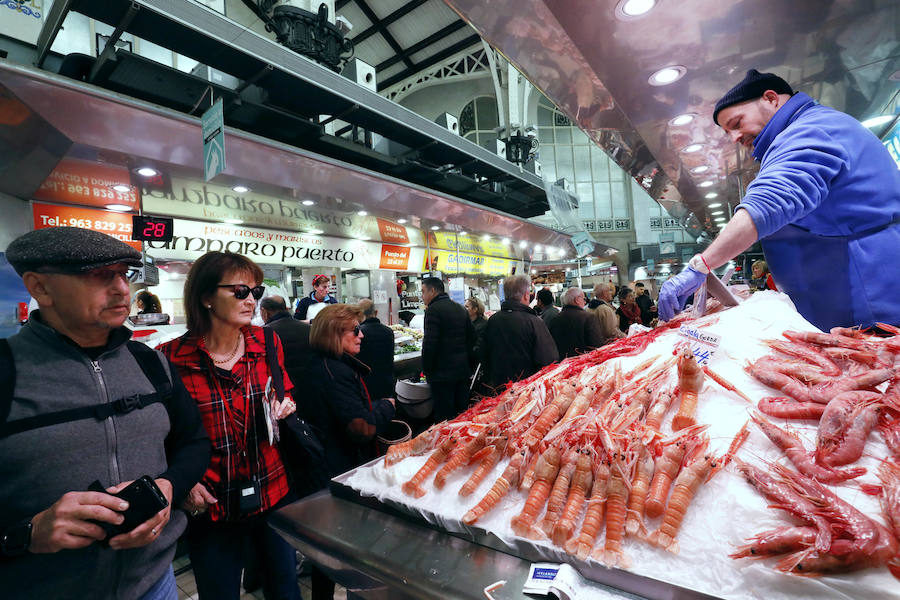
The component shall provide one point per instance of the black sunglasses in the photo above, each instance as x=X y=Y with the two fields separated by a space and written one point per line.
x=355 y=331
x=241 y=291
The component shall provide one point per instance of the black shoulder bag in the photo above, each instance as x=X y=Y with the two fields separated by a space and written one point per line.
x=301 y=448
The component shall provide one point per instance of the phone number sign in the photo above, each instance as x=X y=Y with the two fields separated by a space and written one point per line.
x=118 y=225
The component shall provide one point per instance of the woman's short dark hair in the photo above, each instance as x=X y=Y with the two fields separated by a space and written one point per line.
x=623 y=293
x=149 y=302
x=329 y=326
x=205 y=274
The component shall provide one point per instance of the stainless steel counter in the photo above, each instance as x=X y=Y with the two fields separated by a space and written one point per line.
x=365 y=548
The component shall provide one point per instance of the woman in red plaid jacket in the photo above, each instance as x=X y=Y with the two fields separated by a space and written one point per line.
x=222 y=361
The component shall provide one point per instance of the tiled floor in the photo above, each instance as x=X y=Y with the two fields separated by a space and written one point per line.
x=187 y=589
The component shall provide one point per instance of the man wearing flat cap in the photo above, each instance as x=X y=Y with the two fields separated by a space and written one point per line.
x=81 y=403
x=825 y=206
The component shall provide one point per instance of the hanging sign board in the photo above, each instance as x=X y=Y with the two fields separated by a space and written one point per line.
x=87 y=183
x=212 y=124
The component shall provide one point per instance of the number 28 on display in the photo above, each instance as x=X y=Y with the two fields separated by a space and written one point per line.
x=152 y=228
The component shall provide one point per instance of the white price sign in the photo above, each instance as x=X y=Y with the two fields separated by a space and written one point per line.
x=702 y=343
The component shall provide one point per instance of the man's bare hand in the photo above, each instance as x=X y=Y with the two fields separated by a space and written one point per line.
x=66 y=524
x=149 y=530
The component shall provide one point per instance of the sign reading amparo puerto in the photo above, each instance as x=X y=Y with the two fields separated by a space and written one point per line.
x=193 y=239
x=194 y=199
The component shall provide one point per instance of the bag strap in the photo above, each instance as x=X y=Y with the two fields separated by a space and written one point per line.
x=274 y=365
x=150 y=365
x=7 y=379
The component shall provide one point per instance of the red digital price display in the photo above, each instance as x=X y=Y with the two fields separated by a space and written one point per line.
x=151 y=229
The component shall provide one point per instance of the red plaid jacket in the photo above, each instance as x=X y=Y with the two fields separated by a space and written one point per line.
x=240 y=441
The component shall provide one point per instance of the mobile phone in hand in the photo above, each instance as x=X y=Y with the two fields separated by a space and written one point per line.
x=144 y=498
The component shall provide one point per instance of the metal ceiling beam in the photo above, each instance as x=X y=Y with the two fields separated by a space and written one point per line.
x=428 y=62
x=370 y=15
x=421 y=45
x=379 y=26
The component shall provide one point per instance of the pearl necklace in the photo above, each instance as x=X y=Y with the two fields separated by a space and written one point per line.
x=237 y=345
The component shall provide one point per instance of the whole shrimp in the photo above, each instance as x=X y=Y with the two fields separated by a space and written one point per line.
x=788 y=408
x=890 y=431
x=889 y=474
x=685 y=489
x=487 y=458
x=545 y=474
x=560 y=491
x=824 y=392
x=690 y=382
x=578 y=490
x=420 y=444
x=668 y=463
x=413 y=486
x=550 y=415
x=763 y=371
x=612 y=553
x=844 y=427
x=582 y=545
x=461 y=456
x=662 y=400
x=793 y=448
x=509 y=478
x=640 y=486
x=777 y=541
x=787 y=498
x=807 y=352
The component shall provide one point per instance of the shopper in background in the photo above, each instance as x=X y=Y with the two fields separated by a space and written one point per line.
x=447 y=349
x=222 y=361
x=147 y=303
x=645 y=303
x=74 y=353
x=762 y=279
x=606 y=315
x=545 y=308
x=825 y=206
x=338 y=403
x=629 y=312
x=517 y=342
x=294 y=335
x=376 y=351
x=575 y=330
x=475 y=308
x=319 y=294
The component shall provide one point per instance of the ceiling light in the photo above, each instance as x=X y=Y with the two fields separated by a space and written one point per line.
x=504 y=241
x=308 y=202
x=537 y=248
x=232 y=221
x=240 y=189
x=534 y=271
x=715 y=205
x=364 y=238
x=631 y=9
x=362 y=213
x=485 y=238
x=707 y=184
x=434 y=227
x=401 y=221
x=147 y=172
x=315 y=231
x=876 y=121
x=667 y=75
x=119 y=207
x=123 y=188
x=682 y=119
x=692 y=148
x=717 y=212
x=719 y=219
x=711 y=195
x=523 y=244
x=462 y=233
x=700 y=169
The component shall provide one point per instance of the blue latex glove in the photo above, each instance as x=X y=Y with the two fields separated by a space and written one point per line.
x=675 y=292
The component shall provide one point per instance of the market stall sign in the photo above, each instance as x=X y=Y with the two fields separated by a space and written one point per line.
x=212 y=125
x=88 y=183
x=394 y=258
x=194 y=199
x=21 y=19
x=116 y=224
x=193 y=239
x=703 y=344
x=443 y=240
x=469 y=264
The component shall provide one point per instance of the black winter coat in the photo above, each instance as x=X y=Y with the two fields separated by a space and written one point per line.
x=376 y=350
x=575 y=331
x=295 y=340
x=337 y=405
x=448 y=342
x=516 y=344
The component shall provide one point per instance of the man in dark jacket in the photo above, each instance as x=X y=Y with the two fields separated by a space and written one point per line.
x=446 y=348
x=377 y=352
x=294 y=336
x=575 y=330
x=74 y=355
x=645 y=303
x=517 y=342
x=544 y=306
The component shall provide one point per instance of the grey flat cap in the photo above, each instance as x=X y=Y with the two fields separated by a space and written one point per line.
x=68 y=250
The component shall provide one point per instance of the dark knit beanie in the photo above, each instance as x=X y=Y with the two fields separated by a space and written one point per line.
x=753 y=86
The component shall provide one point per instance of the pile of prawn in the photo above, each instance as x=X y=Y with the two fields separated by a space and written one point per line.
x=587 y=442
x=832 y=378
